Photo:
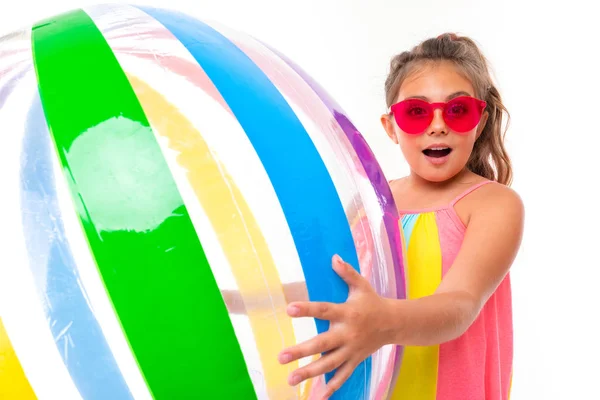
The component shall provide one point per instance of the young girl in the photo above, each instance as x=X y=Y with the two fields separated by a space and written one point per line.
x=462 y=229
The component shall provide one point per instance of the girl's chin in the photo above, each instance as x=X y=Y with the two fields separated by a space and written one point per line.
x=437 y=175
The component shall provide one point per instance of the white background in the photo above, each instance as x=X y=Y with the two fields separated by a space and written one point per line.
x=544 y=59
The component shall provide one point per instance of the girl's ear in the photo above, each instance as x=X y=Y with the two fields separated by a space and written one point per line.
x=388 y=125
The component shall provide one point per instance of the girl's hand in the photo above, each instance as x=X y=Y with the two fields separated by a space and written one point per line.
x=358 y=328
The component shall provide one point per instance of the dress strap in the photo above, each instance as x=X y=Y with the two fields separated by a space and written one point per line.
x=469 y=190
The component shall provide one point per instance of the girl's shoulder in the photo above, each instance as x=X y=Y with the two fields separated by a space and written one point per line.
x=489 y=199
x=480 y=195
x=488 y=194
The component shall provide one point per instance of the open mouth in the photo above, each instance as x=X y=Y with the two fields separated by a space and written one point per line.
x=437 y=152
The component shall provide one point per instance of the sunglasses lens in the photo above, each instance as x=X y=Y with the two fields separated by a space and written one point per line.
x=462 y=114
x=413 y=116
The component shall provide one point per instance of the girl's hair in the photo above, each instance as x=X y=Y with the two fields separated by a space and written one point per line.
x=489 y=157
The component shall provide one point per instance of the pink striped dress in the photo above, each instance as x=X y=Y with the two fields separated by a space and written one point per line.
x=478 y=364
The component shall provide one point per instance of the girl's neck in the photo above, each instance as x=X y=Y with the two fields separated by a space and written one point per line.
x=415 y=194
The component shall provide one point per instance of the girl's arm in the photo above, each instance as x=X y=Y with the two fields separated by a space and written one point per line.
x=294 y=291
x=490 y=246
x=297 y=291
x=367 y=321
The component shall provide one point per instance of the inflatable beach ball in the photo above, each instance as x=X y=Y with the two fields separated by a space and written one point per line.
x=168 y=187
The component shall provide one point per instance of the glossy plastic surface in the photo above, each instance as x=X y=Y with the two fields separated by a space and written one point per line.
x=170 y=186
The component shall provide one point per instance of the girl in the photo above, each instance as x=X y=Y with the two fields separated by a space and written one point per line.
x=462 y=228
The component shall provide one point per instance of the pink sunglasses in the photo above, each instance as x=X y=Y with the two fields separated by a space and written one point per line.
x=461 y=114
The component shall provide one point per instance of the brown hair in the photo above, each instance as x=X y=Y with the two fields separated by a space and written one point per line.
x=489 y=157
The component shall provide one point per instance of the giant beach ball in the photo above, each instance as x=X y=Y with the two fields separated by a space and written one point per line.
x=169 y=185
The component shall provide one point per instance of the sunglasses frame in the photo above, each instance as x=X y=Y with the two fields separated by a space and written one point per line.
x=439 y=105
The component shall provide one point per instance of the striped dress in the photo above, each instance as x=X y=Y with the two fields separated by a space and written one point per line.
x=476 y=365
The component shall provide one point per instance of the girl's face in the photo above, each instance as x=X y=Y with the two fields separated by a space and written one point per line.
x=438 y=153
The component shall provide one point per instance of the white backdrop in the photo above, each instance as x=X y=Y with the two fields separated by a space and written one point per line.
x=543 y=57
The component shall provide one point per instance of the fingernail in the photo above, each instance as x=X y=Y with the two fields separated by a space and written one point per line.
x=337 y=259
x=295 y=380
x=293 y=311
x=285 y=358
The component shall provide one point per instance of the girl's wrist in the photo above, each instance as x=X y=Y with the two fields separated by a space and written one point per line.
x=394 y=328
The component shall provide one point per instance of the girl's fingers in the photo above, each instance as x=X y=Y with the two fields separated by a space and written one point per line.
x=351 y=276
x=327 y=363
x=341 y=376
x=314 y=309
x=326 y=341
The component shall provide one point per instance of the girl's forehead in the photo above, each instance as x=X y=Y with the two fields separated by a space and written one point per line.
x=435 y=82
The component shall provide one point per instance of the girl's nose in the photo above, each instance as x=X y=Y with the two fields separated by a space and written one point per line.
x=438 y=125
